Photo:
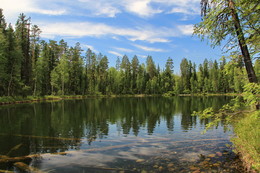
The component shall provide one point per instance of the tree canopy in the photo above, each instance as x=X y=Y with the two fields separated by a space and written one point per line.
x=235 y=22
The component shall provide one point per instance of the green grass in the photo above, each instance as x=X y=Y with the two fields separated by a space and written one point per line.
x=247 y=140
x=19 y=99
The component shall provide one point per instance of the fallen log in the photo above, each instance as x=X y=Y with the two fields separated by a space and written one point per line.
x=27 y=168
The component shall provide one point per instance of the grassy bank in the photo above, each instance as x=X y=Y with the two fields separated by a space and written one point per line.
x=247 y=140
x=171 y=94
x=30 y=99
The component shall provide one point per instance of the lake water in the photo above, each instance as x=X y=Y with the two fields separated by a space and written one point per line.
x=151 y=134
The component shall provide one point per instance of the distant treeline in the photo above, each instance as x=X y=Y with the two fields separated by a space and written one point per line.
x=31 y=66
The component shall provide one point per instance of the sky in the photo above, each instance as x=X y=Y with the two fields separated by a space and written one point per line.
x=159 y=28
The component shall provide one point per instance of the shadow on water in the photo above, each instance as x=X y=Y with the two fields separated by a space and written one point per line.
x=152 y=134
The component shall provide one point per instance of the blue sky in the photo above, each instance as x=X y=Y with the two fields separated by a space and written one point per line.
x=160 y=28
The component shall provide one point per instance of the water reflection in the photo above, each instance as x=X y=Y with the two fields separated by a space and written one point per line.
x=147 y=126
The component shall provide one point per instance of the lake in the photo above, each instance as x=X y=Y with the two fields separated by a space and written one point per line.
x=128 y=134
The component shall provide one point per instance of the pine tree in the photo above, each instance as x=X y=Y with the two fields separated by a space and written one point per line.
x=134 y=69
x=22 y=32
x=14 y=56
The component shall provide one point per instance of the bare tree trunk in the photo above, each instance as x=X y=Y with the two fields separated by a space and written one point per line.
x=242 y=44
x=244 y=49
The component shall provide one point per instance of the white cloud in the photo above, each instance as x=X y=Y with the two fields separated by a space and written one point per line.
x=101 y=7
x=140 y=7
x=187 y=7
x=12 y=8
x=115 y=53
x=104 y=8
x=86 y=46
x=146 y=8
x=142 y=56
x=149 y=49
x=143 y=8
x=81 y=29
x=186 y=29
x=123 y=49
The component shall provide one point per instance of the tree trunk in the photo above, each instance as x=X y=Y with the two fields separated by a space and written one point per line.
x=244 y=49
x=242 y=44
x=10 y=82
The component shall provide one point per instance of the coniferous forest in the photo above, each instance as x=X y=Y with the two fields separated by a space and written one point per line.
x=32 y=66
x=158 y=134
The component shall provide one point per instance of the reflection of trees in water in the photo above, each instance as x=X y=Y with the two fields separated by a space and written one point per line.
x=68 y=121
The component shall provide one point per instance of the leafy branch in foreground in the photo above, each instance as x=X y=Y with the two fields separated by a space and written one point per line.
x=225 y=114
x=244 y=116
x=238 y=106
x=252 y=94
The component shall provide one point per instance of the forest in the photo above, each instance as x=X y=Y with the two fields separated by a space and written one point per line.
x=37 y=68
x=32 y=66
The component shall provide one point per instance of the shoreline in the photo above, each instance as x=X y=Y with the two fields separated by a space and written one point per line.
x=9 y=100
x=30 y=99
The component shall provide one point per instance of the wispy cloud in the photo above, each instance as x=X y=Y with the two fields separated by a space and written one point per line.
x=81 y=29
x=149 y=49
x=123 y=49
x=115 y=53
x=187 y=7
x=186 y=29
x=141 y=8
x=101 y=7
x=142 y=56
x=86 y=46
x=104 y=8
x=12 y=8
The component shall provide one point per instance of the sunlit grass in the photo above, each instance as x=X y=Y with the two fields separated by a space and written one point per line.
x=247 y=142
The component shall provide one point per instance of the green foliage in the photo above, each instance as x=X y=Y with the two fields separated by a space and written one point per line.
x=169 y=94
x=209 y=113
x=225 y=20
x=252 y=94
x=247 y=129
x=225 y=114
x=247 y=140
x=26 y=90
x=54 y=68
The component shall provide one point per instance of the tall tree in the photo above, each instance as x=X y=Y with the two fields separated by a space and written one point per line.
x=3 y=54
x=43 y=71
x=60 y=75
x=35 y=52
x=224 y=19
x=126 y=80
x=14 y=57
x=103 y=74
x=76 y=69
x=185 y=68
x=134 y=69
x=91 y=65
x=167 y=76
x=22 y=32
x=2 y=20
x=150 y=67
